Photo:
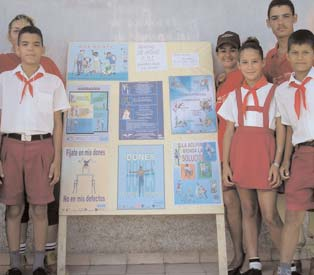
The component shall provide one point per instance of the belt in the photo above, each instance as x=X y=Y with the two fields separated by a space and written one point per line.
x=24 y=137
x=307 y=143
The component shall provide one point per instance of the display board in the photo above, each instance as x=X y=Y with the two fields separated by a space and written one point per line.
x=140 y=137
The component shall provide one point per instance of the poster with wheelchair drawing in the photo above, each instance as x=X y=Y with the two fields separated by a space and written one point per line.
x=97 y=61
x=83 y=176
x=192 y=103
x=196 y=173
x=88 y=117
x=141 y=177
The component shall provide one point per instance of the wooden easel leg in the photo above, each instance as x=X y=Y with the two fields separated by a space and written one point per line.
x=62 y=233
x=222 y=248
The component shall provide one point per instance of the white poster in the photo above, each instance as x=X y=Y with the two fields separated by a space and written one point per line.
x=151 y=57
x=185 y=60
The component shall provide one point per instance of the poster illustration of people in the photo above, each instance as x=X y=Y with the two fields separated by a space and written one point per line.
x=83 y=188
x=97 y=61
x=192 y=104
x=141 y=110
x=141 y=177
x=87 y=119
x=196 y=173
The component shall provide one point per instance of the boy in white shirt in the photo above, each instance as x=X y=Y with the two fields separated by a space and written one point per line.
x=31 y=103
x=295 y=101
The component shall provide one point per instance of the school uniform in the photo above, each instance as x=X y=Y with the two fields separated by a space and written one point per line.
x=27 y=121
x=253 y=144
x=8 y=62
x=277 y=68
x=295 y=101
x=233 y=80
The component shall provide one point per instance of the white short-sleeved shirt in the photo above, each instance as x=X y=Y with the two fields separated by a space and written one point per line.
x=229 y=109
x=303 y=128
x=33 y=115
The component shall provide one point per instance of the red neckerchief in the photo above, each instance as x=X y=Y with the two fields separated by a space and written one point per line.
x=252 y=91
x=299 y=95
x=28 y=83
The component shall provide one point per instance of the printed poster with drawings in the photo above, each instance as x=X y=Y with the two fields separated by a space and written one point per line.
x=192 y=102
x=141 y=177
x=98 y=61
x=196 y=173
x=87 y=120
x=83 y=187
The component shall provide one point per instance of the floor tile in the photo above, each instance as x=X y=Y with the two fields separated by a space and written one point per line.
x=107 y=270
x=184 y=268
x=146 y=269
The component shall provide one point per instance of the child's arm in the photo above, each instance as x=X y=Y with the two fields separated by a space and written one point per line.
x=227 y=173
x=274 y=178
x=55 y=167
x=1 y=169
x=285 y=166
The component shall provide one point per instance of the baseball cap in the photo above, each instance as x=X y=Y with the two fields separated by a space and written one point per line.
x=228 y=37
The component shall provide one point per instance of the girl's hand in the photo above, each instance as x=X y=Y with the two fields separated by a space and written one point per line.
x=274 y=177
x=284 y=170
x=227 y=176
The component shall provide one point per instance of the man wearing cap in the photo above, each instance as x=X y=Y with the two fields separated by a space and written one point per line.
x=227 y=51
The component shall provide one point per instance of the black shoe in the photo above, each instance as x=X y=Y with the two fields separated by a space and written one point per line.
x=236 y=270
x=40 y=271
x=295 y=273
x=298 y=265
x=253 y=271
x=14 y=271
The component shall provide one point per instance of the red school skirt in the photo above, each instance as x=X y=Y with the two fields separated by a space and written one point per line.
x=251 y=155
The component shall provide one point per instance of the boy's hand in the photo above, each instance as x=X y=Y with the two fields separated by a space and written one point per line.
x=273 y=176
x=54 y=172
x=227 y=176
x=284 y=170
x=1 y=173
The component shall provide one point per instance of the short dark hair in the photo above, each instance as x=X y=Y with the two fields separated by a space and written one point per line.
x=21 y=17
x=300 y=37
x=33 y=30
x=252 y=43
x=275 y=3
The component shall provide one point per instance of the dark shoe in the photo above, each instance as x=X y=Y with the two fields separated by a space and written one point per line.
x=312 y=267
x=253 y=271
x=236 y=270
x=40 y=271
x=14 y=271
x=298 y=265
x=295 y=273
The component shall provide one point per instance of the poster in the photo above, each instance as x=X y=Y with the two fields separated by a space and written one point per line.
x=141 y=110
x=98 y=61
x=88 y=118
x=192 y=103
x=83 y=187
x=185 y=60
x=141 y=177
x=151 y=57
x=196 y=173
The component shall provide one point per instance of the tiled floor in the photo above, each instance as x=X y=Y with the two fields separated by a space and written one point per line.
x=156 y=269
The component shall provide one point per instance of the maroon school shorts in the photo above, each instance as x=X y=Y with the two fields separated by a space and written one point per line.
x=26 y=166
x=300 y=186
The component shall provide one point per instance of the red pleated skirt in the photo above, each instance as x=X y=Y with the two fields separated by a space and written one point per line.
x=251 y=155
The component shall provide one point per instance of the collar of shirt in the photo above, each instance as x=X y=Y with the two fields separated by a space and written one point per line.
x=19 y=69
x=293 y=79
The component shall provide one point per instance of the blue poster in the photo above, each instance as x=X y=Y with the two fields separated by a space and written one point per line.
x=192 y=103
x=196 y=173
x=88 y=118
x=141 y=111
x=98 y=61
x=141 y=177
